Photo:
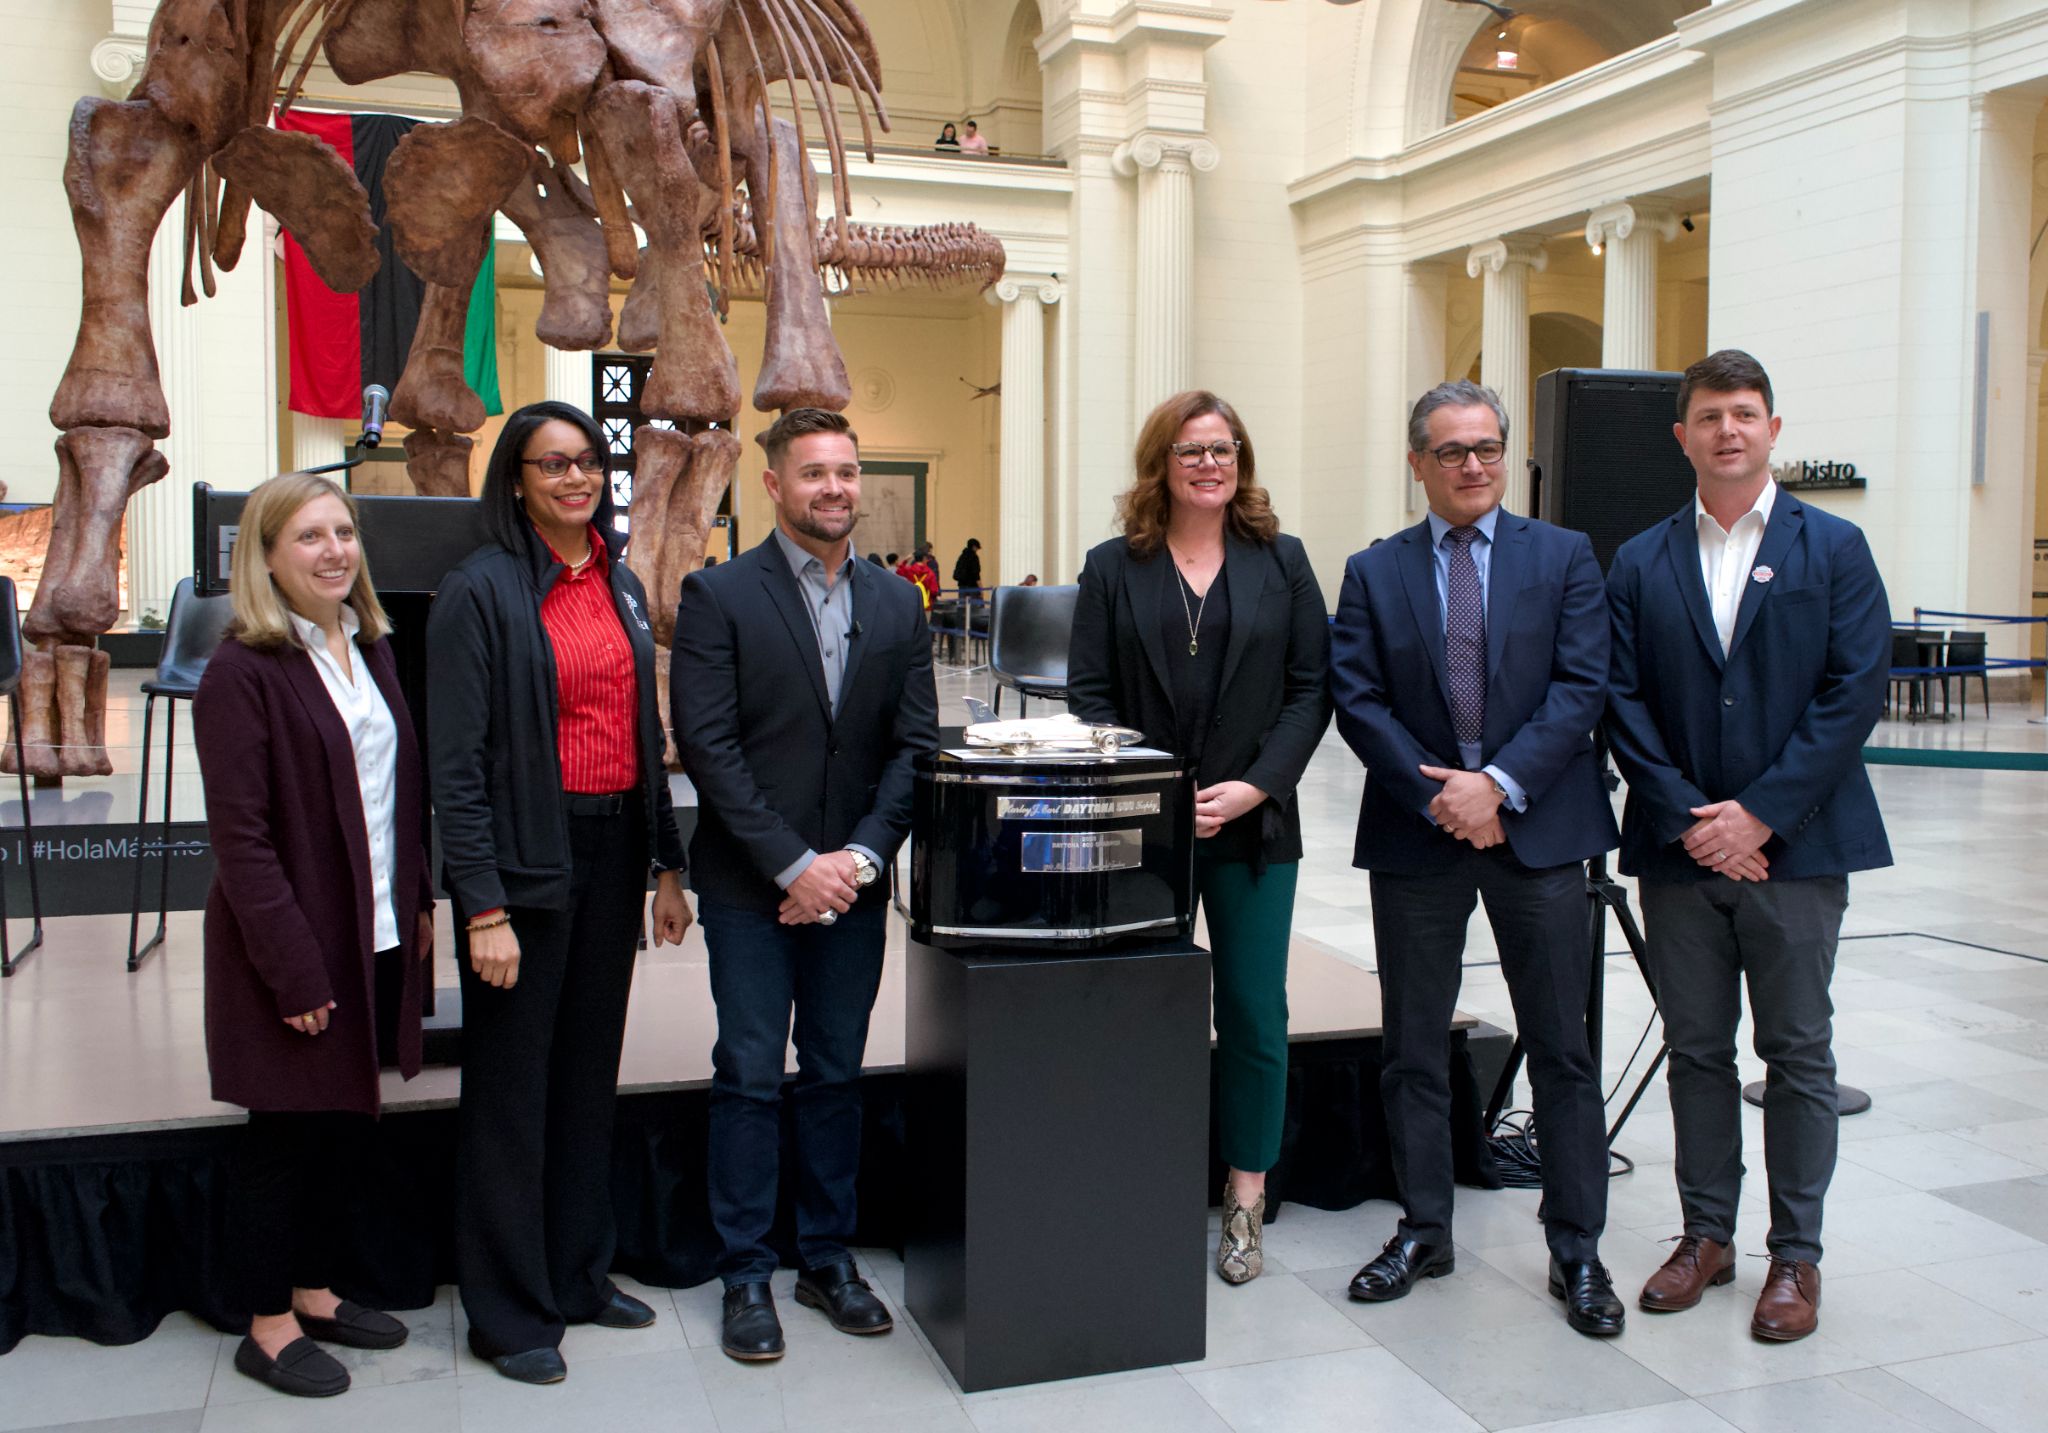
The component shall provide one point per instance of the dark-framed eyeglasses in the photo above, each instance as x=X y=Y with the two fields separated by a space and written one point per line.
x=1452 y=455
x=1222 y=452
x=557 y=464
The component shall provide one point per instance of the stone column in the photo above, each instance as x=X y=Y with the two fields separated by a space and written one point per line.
x=568 y=378
x=1022 y=538
x=1164 y=165
x=316 y=442
x=159 y=522
x=1504 y=265
x=1628 y=235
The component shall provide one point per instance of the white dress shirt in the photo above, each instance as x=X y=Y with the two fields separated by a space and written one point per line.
x=373 y=734
x=1726 y=557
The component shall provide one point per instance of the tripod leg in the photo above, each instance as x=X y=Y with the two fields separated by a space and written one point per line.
x=141 y=834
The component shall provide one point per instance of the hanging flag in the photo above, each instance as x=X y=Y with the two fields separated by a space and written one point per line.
x=342 y=343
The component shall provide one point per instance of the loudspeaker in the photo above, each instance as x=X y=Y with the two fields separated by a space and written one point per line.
x=1605 y=462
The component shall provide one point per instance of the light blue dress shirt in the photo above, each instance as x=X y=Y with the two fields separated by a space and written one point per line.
x=1482 y=558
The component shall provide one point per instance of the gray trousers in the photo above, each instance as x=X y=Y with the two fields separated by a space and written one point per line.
x=1706 y=937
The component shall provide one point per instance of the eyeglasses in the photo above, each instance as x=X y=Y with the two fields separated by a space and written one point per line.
x=1223 y=452
x=1452 y=455
x=557 y=464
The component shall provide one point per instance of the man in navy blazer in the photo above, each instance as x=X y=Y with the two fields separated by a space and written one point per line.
x=801 y=689
x=1751 y=643
x=1469 y=668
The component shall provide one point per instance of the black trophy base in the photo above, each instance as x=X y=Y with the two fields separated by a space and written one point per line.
x=1057 y=1133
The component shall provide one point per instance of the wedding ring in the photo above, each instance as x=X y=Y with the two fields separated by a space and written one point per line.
x=828 y=917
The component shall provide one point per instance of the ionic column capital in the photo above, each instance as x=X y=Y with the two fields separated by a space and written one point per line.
x=116 y=61
x=1614 y=222
x=1164 y=151
x=1012 y=287
x=1497 y=255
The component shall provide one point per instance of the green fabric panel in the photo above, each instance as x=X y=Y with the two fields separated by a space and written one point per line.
x=1963 y=760
x=480 y=337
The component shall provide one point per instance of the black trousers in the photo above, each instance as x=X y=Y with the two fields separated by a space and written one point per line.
x=291 y=1176
x=1539 y=922
x=534 y=1230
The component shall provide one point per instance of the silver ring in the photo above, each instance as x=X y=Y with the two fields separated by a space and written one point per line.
x=827 y=917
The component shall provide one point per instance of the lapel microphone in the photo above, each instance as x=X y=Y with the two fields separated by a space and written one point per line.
x=856 y=629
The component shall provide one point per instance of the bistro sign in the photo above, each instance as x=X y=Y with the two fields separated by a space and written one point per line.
x=1810 y=476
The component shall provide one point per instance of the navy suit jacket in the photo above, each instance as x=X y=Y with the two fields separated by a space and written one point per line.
x=777 y=771
x=1778 y=723
x=1546 y=657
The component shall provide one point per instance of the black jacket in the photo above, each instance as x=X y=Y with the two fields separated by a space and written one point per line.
x=494 y=765
x=777 y=772
x=1274 y=703
x=967 y=568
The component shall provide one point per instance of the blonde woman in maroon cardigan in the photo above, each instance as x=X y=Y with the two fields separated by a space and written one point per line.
x=320 y=917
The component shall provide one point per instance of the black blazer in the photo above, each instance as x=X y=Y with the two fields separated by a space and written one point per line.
x=777 y=772
x=1274 y=703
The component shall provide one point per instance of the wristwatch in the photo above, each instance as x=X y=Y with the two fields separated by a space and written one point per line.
x=864 y=870
x=1499 y=788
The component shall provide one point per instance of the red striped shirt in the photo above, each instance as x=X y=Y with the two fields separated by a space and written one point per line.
x=597 y=690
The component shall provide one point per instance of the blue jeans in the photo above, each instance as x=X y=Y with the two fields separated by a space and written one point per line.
x=761 y=971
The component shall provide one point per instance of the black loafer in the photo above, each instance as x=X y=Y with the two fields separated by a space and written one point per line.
x=302 y=1368
x=354 y=1326
x=622 y=1311
x=536 y=1365
x=844 y=1297
x=1590 y=1305
x=752 y=1333
x=1399 y=1266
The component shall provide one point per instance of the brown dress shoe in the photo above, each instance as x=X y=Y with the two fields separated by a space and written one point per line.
x=1789 y=1307
x=1693 y=1266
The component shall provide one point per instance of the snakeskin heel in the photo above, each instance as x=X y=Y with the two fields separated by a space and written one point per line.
x=1239 y=1257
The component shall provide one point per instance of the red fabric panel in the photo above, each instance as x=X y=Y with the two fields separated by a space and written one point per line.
x=325 y=327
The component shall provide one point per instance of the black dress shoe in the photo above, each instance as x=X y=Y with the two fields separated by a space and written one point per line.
x=622 y=1311
x=536 y=1365
x=1589 y=1302
x=753 y=1334
x=302 y=1368
x=844 y=1297
x=354 y=1326
x=1398 y=1266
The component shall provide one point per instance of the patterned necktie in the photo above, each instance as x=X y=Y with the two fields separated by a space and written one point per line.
x=1465 y=638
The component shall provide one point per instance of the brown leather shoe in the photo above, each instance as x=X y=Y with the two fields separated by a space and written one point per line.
x=1694 y=1265
x=1789 y=1307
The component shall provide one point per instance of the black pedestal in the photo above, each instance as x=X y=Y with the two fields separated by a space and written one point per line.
x=1057 y=1133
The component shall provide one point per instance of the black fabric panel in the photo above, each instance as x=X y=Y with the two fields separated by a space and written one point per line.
x=390 y=307
x=100 y=1238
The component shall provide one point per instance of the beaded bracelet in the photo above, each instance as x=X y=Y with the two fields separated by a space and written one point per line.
x=501 y=919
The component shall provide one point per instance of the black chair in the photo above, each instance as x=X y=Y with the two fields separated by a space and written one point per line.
x=1029 y=630
x=1906 y=655
x=10 y=684
x=1966 y=649
x=193 y=632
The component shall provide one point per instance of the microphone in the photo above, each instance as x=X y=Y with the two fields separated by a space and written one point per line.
x=375 y=399
x=857 y=629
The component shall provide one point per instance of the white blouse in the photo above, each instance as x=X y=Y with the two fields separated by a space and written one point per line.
x=373 y=733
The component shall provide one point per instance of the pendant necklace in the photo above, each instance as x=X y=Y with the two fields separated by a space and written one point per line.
x=1193 y=614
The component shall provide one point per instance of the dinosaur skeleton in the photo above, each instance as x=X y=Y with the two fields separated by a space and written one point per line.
x=665 y=105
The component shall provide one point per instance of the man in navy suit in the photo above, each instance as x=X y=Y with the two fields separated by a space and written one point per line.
x=801 y=687
x=1751 y=642
x=1469 y=668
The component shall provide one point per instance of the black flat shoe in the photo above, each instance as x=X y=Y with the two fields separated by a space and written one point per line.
x=1399 y=1266
x=302 y=1368
x=1590 y=1305
x=844 y=1297
x=354 y=1326
x=623 y=1311
x=752 y=1333
x=536 y=1365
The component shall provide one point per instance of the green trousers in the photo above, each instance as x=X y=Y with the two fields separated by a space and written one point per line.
x=1249 y=922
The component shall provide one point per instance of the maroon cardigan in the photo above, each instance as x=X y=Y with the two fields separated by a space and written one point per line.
x=288 y=920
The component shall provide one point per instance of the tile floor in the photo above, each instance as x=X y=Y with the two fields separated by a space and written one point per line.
x=1936 y=1308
